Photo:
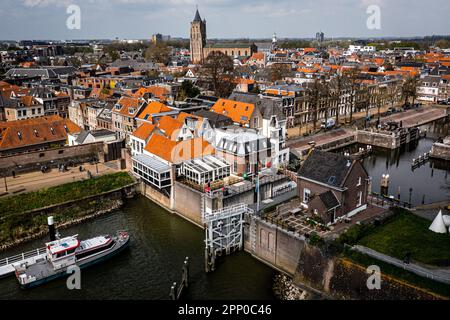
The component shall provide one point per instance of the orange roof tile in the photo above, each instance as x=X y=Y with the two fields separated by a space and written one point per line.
x=127 y=103
x=153 y=108
x=155 y=91
x=240 y=112
x=177 y=152
x=170 y=126
x=21 y=133
x=257 y=56
x=144 y=131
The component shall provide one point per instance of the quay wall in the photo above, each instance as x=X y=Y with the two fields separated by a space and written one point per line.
x=440 y=151
x=378 y=139
x=313 y=269
x=319 y=270
x=187 y=202
x=33 y=160
x=33 y=224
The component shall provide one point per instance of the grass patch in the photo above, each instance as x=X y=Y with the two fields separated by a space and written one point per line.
x=398 y=273
x=63 y=193
x=406 y=232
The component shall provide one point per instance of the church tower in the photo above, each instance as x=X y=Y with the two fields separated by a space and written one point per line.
x=198 y=38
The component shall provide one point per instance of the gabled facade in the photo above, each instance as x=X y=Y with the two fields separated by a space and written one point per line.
x=332 y=186
x=124 y=115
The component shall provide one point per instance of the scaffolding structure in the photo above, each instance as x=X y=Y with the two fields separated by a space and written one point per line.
x=224 y=233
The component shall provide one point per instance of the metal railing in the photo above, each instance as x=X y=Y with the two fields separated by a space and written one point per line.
x=22 y=256
x=239 y=208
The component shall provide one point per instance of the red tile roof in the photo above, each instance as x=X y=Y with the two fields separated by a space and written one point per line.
x=170 y=126
x=126 y=103
x=240 y=112
x=21 y=133
x=177 y=152
x=144 y=131
x=153 y=108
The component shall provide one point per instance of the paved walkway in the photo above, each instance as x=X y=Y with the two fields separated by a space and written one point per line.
x=412 y=118
x=440 y=275
x=37 y=180
x=320 y=139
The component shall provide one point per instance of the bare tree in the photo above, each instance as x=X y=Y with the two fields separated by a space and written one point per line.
x=218 y=71
x=158 y=53
x=409 y=89
x=314 y=95
x=338 y=83
x=278 y=71
x=353 y=77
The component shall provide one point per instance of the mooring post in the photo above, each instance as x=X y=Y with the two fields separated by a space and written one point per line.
x=172 y=294
x=186 y=272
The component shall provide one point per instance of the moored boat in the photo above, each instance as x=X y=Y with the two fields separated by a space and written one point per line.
x=63 y=253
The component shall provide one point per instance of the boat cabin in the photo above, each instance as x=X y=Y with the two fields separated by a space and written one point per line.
x=61 y=252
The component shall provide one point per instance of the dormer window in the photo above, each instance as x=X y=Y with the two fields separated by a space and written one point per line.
x=118 y=106
x=65 y=128
x=36 y=133
x=131 y=110
x=19 y=134
x=52 y=130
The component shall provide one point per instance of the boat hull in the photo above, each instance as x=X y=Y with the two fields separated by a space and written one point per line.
x=82 y=265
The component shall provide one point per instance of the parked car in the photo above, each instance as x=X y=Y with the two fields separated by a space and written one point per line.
x=330 y=123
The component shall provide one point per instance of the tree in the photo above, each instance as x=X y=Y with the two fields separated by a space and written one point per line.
x=352 y=77
x=337 y=85
x=187 y=90
x=314 y=95
x=409 y=89
x=114 y=55
x=158 y=53
x=218 y=71
x=278 y=71
x=381 y=96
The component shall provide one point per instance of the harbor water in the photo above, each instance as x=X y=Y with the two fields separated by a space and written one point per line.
x=160 y=241
x=428 y=183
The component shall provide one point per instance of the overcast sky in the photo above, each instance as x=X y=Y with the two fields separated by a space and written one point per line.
x=139 y=19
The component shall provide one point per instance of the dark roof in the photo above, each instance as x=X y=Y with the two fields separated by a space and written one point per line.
x=326 y=167
x=329 y=200
x=269 y=107
x=216 y=120
x=197 y=17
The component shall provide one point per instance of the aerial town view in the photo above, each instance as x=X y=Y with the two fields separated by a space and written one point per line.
x=224 y=150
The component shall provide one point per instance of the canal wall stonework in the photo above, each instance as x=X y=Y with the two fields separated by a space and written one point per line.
x=377 y=139
x=154 y=195
x=318 y=270
x=32 y=224
x=440 y=151
x=187 y=202
x=33 y=160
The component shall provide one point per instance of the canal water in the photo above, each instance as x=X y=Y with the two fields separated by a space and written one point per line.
x=429 y=183
x=159 y=243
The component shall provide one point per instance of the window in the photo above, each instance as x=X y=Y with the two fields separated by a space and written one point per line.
x=359 y=199
x=306 y=195
x=359 y=181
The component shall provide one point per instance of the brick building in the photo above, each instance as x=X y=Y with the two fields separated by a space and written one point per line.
x=333 y=186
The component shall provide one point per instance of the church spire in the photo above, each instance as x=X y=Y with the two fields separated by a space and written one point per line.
x=197 y=15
